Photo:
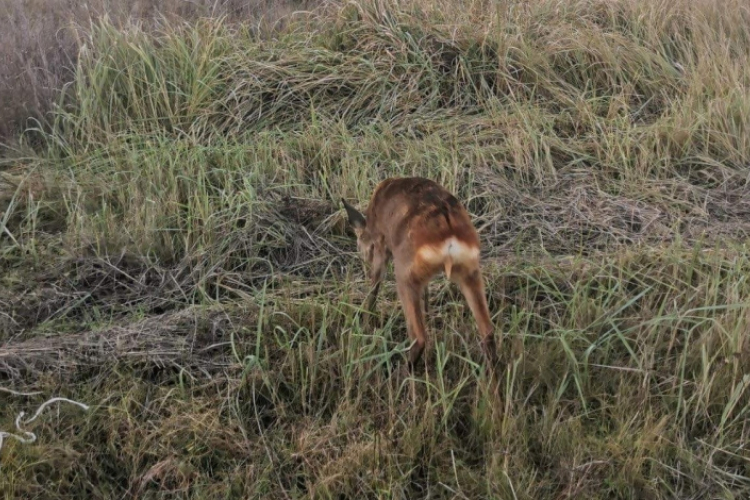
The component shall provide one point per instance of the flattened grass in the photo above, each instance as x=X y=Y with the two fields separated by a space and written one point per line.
x=175 y=256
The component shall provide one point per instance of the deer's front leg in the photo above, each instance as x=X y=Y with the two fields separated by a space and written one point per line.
x=377 y=273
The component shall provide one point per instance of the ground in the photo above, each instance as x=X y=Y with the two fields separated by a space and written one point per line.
x=174 y=255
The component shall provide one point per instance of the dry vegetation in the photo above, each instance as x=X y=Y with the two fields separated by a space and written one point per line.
x=173 y=253
x=39 y=42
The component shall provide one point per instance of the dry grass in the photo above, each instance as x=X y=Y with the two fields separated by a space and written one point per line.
x=39 y=44
x=174 y=255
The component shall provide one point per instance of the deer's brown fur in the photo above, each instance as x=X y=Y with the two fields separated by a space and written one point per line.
x=425 y=230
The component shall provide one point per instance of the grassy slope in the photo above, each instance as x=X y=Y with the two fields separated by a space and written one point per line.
x=39 y=43
x=175 y=257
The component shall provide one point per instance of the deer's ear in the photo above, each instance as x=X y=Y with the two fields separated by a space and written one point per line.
x=356 y=219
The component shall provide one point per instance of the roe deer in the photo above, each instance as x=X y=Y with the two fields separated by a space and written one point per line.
x=425 y=229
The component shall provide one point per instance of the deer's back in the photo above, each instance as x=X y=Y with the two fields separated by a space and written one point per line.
x=415 y=212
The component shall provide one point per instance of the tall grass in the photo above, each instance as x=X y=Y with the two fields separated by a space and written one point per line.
x=39 y=43
x=517 y=113
x=631 y=383
x=175 y=248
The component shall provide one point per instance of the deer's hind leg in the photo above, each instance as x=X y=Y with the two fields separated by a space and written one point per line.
x=411 y=288
x=469 y=280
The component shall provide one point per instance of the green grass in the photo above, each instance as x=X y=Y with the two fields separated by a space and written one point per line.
x=174 y=255
x=39 y=42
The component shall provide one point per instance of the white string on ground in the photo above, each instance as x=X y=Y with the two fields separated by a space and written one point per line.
x=17 y=393
x=27 y=437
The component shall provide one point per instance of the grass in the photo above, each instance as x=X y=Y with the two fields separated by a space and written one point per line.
x=174 y=255
x=39 y=43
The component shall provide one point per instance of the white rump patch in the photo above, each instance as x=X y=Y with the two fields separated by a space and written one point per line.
x=452 y=248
